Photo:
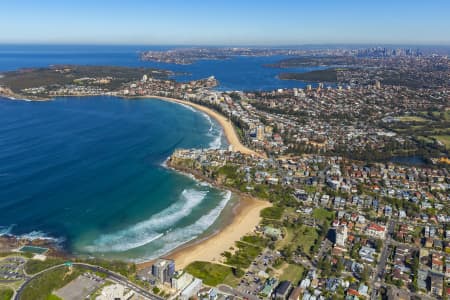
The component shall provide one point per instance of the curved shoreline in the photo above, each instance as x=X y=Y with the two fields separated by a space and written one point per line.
x=245 y=215
x=228 y=128
x=245 y=218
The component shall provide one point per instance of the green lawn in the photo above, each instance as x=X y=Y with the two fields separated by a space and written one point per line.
x=212 y=274
x=6 y=293
x=255 y=240
x=293 y=273
x=302 y=237
x=35 y=266
x=445 y=139
x=425 y=139
x=124 y=268
x=244 y=256
x=306 y=238
x=323 y=215
x=446 y=115
x=411 y=119
x=273 y=212
x=42 y=287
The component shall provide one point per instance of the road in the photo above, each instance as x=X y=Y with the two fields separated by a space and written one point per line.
x=325 y=246
x=115 y=276
x=381 y=266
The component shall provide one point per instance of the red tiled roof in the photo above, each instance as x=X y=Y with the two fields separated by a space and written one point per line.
x=376 y=227
x=352 y=292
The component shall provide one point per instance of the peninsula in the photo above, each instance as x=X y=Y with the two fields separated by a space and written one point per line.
x=341 y=186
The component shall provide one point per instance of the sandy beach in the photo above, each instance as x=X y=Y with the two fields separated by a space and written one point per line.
x=246 y=213
x=228 y=128
x=246 y=218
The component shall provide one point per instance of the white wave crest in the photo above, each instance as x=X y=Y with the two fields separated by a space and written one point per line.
x=147 y=231
x=183 y=235
x=164 y=163
x=30 y=236
x=203 y=183
x=6 y=230
x=214 y=131
x=217 y=142
x=38 y=235
x=187 y=106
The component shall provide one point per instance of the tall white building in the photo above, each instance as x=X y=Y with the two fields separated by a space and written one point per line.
x=181 y=280
x=341 y=235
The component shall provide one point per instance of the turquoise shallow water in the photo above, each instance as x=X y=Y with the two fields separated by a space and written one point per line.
x=88 y=171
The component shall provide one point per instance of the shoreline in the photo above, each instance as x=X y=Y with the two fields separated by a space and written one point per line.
x=245 y=218
x=227 y=126
x=245 y=213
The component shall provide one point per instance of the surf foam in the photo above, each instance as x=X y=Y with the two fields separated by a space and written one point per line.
x=148 y=231
x=180 y=236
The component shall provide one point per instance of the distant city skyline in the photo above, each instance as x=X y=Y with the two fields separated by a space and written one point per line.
x=196 y=22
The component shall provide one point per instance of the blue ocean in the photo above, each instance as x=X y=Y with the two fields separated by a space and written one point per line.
x=89 y=172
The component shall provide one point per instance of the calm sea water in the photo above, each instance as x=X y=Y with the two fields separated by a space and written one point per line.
x=88 y=171
x=240 y=73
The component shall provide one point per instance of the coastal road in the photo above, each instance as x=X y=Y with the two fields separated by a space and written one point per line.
x=115 y=276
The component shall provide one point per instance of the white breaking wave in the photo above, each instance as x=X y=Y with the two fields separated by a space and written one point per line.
x=183 y=235
x=147 y=231
x=215 y=132
x=6 y=230
x=38 y=235
x=217 y=142
x=106 y=243
x=187 y=106
x=31 y=236
x=164 y=163
x=203 y=183
x=208 y=118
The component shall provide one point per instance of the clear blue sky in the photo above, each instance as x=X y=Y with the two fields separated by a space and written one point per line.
x=225 y=22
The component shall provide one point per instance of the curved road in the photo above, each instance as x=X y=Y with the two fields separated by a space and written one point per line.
x=117 y=277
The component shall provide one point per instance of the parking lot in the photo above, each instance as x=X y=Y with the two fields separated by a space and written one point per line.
x=253 y=280
x=83 y=286
x=11 y=268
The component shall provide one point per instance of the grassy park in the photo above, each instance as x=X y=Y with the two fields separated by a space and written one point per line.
x=213 y=274
x=5 y=293
x=293 y=273
x=42 y=287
